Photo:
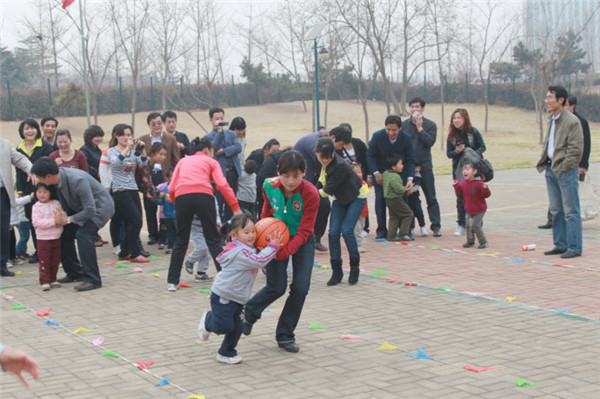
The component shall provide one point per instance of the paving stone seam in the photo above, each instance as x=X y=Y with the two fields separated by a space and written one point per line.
x=160 y=378
x=407 y=352
x=480 y=298
x=495 y=255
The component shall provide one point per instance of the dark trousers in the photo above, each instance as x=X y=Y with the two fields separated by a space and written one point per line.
x=322 y=218
x=460 y=210
x=277 y=281
x=224 y=210
x=88 y=268
x=13 y=244
x=129 y=209
x=186 y=206
x=49 y=257
x=249 y=206
x=167 y=232
x=380 y=210
x=151 y=208
x=4 y=228
x=225 y=318
x=414 y=202
x=433 y=207
x=24 y=233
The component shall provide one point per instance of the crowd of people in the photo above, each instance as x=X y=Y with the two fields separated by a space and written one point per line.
x=208 y=189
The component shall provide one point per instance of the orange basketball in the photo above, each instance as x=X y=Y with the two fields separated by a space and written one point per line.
x=267 y=228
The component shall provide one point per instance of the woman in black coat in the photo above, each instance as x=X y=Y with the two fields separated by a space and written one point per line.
x=339 y=180
x=92 y=137
x=461 y=135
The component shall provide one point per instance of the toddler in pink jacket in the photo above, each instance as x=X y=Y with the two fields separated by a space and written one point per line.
x=48 y=235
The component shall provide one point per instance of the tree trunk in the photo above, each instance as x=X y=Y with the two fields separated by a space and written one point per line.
x=133 y=100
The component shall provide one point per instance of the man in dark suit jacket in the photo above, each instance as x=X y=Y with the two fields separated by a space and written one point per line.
x=158 y=134
x=87 y=207
x=183 y=142
x=385 y=142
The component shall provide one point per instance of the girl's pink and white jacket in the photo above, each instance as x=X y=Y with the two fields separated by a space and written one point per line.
x=42 y=217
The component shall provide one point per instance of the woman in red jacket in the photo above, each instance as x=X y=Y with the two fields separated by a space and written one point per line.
x=191 y=191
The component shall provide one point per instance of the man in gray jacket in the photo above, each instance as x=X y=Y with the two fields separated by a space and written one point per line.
x=87 y=207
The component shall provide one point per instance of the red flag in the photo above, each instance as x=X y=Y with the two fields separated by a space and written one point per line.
x=67 y=3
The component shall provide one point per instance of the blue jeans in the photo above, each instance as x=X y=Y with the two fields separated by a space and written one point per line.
x=342 y=221
x=302 y=263
x=567 y=231
x=225 y=318
x=24 y=233
x=380 y=209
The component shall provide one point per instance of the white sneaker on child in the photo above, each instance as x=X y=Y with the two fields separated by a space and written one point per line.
x=229 y=360
x=171 y=287
x=116 y=250
x=459 y=231
x=361 y=250
x=424 y=231
x=202 y=333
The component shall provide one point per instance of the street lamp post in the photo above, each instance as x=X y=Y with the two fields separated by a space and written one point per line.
x=313 y=35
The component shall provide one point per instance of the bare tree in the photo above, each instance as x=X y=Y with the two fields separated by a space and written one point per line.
x=492 y=42
x=45 y=31
x=355 y=53
x=283 y=43
x=130 y=21
x=549 y=48
x=98 y=56
x=166 y=35
x=375 y=28
x=441 y=21
x=207 y=30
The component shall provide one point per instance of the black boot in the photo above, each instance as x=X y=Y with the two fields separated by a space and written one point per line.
x=337 y=273
x=354 y=271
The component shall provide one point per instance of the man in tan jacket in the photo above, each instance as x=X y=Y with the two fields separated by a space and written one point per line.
x=560 y=158
x=8 y=157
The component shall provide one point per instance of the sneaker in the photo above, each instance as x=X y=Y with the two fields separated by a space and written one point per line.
x=124 y=257
x=202 y=277
x=9 y=264
x=33 y=258
x=55 y=284
x=171 y=287
x=161 y=246
x=424 y=231
x=17 y=261
x=468 y=244
x=189 y=267
x=437 y=232
x=406 y=238
x=116 y=250
x=320 y=247
x=483 y=245
x=202 y=333
x=45 y=287
x=229 y=360
x=361 y=250
x=364 y=233
x=140 y=259
x=459 y=231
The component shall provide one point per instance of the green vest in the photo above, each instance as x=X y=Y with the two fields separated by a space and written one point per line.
x=289 y=211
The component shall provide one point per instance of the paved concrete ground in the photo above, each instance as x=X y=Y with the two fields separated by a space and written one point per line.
x=526 y=339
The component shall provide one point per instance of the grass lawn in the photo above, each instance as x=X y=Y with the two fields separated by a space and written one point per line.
x=512 y=139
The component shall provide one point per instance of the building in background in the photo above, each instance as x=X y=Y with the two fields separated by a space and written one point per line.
x=550 y=19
